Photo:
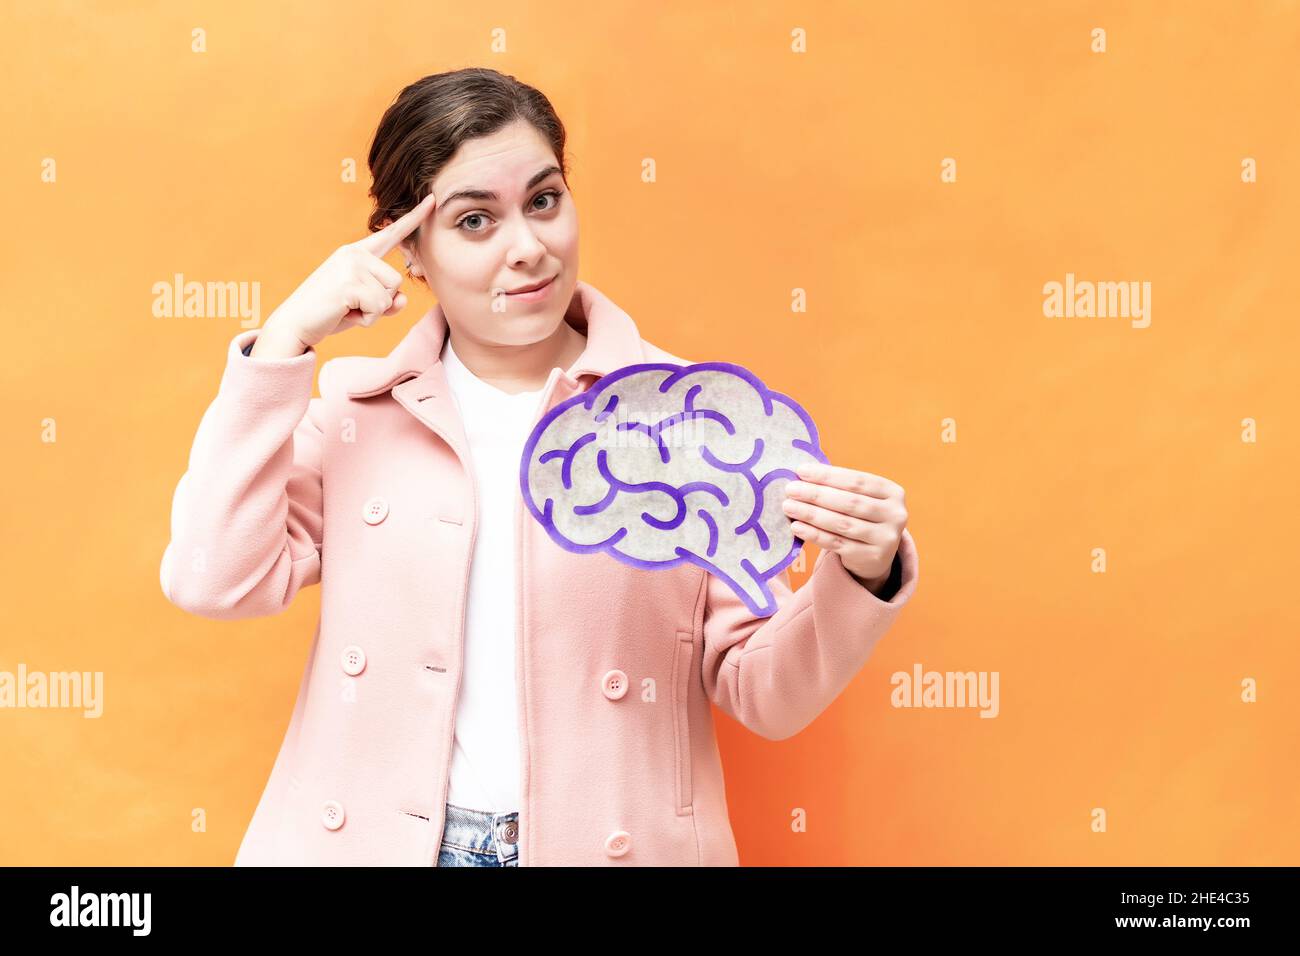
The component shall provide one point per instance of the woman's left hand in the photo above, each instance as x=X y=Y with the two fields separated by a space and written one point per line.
x=856 y=514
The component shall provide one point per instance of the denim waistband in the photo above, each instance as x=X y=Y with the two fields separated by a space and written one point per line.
x=482 y=831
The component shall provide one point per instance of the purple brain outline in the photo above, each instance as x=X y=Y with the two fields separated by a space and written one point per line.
x=659 y=464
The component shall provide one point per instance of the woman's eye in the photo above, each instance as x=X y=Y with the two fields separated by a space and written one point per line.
x=473 y=215
x=554 y=193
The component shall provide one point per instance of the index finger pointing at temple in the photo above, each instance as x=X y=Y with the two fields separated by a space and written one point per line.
x=384 y=241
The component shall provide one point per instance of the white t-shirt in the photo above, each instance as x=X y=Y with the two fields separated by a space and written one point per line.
x=484 y=772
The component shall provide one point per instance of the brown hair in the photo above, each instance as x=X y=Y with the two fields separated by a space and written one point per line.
x=427 y=122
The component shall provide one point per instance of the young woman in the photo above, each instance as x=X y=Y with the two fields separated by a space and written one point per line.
x=475 y=694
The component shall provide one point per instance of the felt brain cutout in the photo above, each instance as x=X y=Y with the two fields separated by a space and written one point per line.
x=660 y=464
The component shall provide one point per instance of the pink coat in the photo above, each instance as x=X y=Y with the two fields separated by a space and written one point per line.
x=369 y=491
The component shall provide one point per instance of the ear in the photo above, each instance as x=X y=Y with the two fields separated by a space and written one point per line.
x=410 y=256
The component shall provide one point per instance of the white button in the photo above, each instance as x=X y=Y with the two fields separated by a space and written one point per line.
x=332 y=815
x=375 y=510
x=614 y=684
x=618 y=843
x=353 y=660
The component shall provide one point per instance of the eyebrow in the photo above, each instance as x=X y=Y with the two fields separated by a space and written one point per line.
x=486 y=195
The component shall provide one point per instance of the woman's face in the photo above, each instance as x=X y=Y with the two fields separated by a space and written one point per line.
x=474 y=249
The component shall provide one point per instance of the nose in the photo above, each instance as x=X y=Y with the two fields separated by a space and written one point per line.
x=526 y=250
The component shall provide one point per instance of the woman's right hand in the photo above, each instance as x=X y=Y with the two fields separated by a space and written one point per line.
x=354 y=286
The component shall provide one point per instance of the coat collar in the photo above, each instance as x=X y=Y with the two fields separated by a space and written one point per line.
x=613 y=341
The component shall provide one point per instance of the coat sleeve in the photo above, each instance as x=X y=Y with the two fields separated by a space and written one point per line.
x=246 y=516
x=775 y=675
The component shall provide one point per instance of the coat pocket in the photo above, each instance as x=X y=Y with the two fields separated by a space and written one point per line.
x=682 y=659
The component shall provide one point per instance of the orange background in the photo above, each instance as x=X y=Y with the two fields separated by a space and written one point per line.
x=776 y=171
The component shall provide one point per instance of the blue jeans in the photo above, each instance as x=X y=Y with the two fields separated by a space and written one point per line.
x=479 y=838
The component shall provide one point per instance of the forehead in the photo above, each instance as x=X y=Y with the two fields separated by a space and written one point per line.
x=501 y=162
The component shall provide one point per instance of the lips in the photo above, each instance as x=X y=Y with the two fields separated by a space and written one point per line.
x=532 y=288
